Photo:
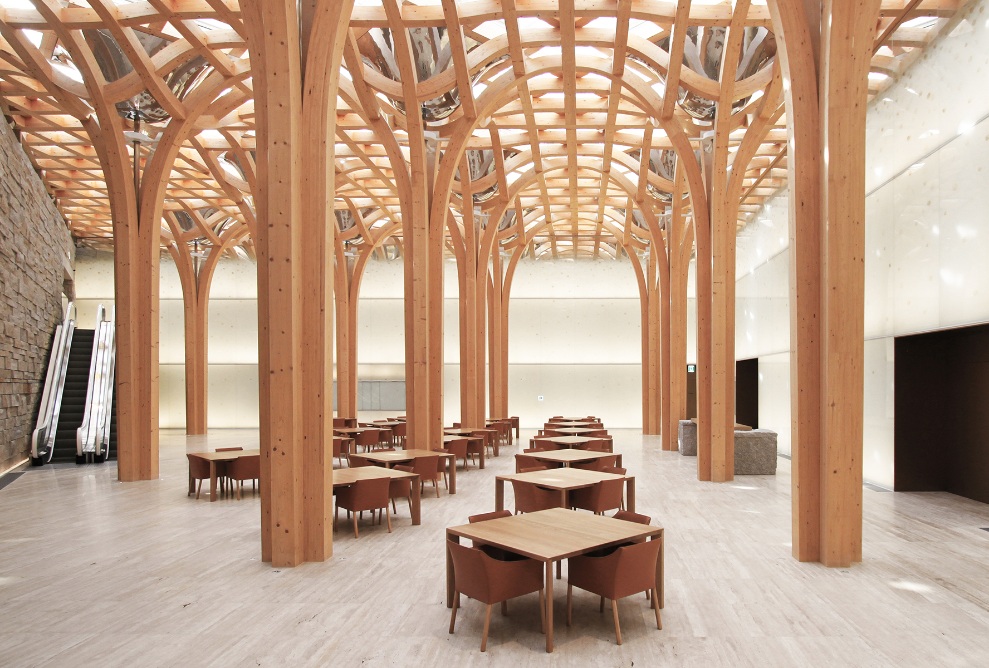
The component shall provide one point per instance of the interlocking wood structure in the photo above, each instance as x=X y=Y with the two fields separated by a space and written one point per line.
x=314 y=136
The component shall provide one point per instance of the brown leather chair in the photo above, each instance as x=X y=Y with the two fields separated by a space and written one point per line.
x=368 y=438
x=244 y=468
x=428 y=469
x=371 y=494
x=529 y=497
x=491 y=581
x=617 y=470
x=598 y=464
x=605 y=495
x=340 y=447
x=401 y=488
x=599 y=445
x=527 y=462
x=198 y=471
x=490 y=550
x=399 y=432
x=458 y=448
x=626 y=571
x=358 y=461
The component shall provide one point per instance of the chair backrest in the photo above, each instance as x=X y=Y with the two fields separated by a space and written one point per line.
x=245 y=468
x=367 y=437
x=426 y=466
x=484 y=517
x=469 y=571
x=605 y=495
x=401 y=487
x=337 y=443
x=198 y=467
x=595 y=446
x=357 y=460
x=594 y=433
x=400 y=430
x=529 y=498
x=370 y=494
x=524 y=461
x=617 y=470
x=629 y=516
x=458 y=447
x=635 y=568
x=340 y=422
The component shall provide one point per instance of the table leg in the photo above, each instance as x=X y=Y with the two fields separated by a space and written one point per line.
x=192 y=482
x=494 y=444
x=549 y=606
x=499 y=494
x=660 y=571
x=451 y=465
x=212 y=480
x=450 y=583
x=484 y=450
x=630 y=488
x=416 y=499
x=618 y=461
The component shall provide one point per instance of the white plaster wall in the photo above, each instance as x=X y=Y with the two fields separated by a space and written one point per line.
x=233 y=337
x=927 y=231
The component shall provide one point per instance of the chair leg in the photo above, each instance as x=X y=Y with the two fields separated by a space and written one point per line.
x=504 y=608
x=569 y=604
x=436 y=484
x=355 y=526
x=199 y=487
x=601 y=609
x=614 y=613
x=336 y=516
x=456 y=604
x=487 y=623
x=410 y=504
x=387 y=517
x=394 y=509
x=655 y=605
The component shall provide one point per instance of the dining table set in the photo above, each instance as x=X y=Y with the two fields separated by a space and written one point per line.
x=570 y=468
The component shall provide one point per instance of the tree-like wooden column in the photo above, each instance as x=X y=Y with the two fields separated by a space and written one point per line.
x=294 y=240
x=825 y=51
x=196 y=276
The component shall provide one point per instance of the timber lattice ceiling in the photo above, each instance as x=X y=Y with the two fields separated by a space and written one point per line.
x=571 y=144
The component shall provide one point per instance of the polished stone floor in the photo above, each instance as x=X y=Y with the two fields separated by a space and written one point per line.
x=94 y=572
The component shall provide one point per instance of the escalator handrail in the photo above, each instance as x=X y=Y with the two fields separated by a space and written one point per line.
x=85 y=433
x=103 y=445
x=43 y=436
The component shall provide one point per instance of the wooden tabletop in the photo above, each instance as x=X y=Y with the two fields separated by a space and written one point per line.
x=453 y=437
x=344 y=477
x=573 y=431
x=566 y=424
x=354 y=430
x=569 y=440
x=387 y=423
x=226 y=455
x=569 y=456
x=557 y=533
x=390 y=456
x=456 y=431
x=565 y=478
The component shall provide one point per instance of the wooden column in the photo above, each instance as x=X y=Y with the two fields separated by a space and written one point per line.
x=825 y=50
x=680 y=241
x=497 y=349
x=294 y=235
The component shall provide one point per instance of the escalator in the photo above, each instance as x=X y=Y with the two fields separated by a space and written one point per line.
x=77 y=415
x=73 y=396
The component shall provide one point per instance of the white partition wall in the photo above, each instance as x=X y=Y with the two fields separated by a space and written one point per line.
x=927 y=232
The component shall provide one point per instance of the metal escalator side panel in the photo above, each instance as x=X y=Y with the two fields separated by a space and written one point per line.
x=43 y=437
x=103 y=445
x=83 y=433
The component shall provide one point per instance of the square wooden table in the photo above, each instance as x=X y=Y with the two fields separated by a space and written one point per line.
x=573 y=431
x=564 y=480
x=213 y=458
x=549 y=536
x=450 y=437
x=391 y=457
x=570 y=441
x=347 y=477
x=565 y=424
x=465 y=433
x=568 y=457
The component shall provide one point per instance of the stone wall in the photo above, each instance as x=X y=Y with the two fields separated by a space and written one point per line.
x=36 y=252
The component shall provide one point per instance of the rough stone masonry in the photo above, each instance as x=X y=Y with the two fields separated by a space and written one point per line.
x=35 y=250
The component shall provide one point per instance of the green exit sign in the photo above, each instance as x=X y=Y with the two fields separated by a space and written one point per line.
x=691 y=368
